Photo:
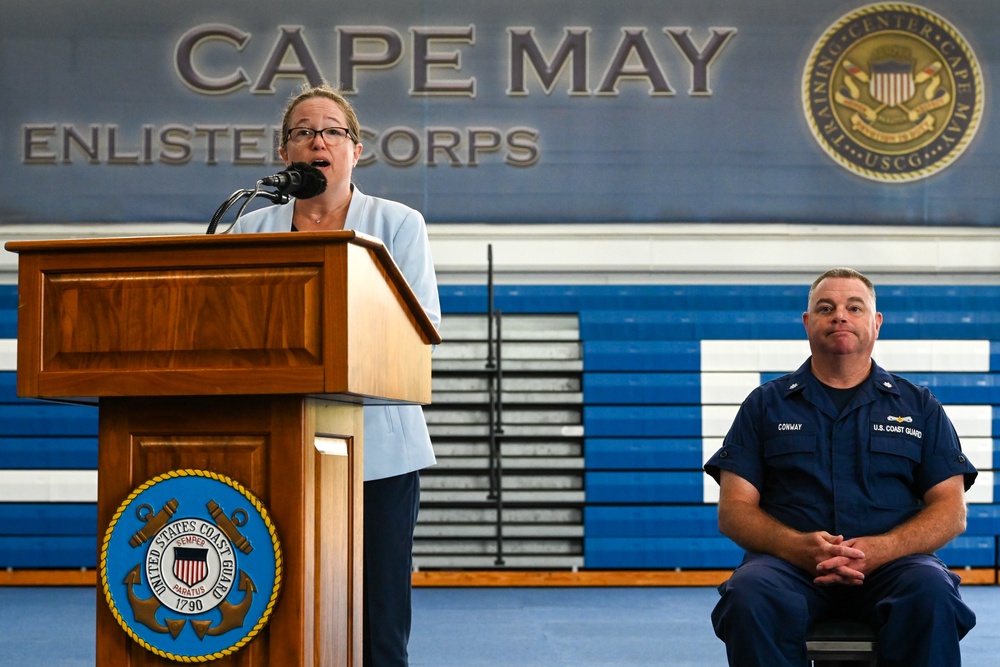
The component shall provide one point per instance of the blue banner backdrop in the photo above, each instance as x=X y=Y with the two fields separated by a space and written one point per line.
x=522 y=111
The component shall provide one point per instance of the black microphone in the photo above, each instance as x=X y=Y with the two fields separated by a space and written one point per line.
x=300 y=180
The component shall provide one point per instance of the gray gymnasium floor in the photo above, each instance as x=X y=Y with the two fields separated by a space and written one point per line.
x=482 y=627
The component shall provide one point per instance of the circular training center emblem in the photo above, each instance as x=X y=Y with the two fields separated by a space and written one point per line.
x=191 y=566
x=893 y=92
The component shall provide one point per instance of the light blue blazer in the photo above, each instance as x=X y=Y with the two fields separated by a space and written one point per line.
x=396 y=437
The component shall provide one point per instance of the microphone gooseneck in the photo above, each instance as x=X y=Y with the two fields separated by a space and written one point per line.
x=299 y=179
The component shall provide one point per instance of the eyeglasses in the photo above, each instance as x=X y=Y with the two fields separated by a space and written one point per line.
x=332 y=136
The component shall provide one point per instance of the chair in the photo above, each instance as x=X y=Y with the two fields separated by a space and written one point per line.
x=841 y=642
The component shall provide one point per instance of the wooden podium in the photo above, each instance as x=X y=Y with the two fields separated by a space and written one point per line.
x=239 y=355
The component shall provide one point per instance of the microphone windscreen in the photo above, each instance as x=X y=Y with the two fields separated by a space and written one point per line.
x=312 y=182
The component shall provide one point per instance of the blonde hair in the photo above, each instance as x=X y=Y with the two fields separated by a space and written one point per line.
x=324 y=90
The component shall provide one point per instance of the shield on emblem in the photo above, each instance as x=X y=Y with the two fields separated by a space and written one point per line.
x=892 y=82
x=190 y=565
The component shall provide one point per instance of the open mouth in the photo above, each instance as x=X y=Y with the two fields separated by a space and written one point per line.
x=319 y=164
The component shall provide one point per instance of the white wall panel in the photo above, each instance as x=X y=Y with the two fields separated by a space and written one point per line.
x=48 y=486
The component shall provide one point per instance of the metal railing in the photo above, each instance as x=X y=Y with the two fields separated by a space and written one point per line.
x=494 y=379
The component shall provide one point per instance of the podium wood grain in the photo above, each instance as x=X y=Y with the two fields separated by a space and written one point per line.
x=247 y=314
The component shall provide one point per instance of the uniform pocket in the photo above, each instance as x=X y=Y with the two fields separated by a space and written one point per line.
x=897 y=447
x=784 y=445
x=791 y=468
x=892 y=468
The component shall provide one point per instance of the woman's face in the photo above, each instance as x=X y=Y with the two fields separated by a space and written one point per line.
x=335 y=161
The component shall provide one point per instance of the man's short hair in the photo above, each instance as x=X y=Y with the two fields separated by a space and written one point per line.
x=843 y=272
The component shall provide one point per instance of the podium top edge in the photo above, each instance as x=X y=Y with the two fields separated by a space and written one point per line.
x=190 y=240
x=80 y=247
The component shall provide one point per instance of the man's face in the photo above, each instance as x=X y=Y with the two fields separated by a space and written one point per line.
x=841 y=319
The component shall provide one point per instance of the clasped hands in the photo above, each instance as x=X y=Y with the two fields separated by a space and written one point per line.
x=838 y=561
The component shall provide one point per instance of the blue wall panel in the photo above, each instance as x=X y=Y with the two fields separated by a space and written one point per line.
x=47 y=419
x=773 y=325
x=970 y=551
x=651 y=521
x=63 y=519
x=642 y=421
x=960 y=388
x=642 y=388
x=897 y=300
x=983 y=519
x=662 y=552
x=718 y=552
x=644 y=487
x=688 y=325
x=49 y=453
x=48 y=552
x=949 y=388
x=641 y=355
x=642 y=453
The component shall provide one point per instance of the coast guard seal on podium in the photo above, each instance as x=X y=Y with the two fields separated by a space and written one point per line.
x=191 y=566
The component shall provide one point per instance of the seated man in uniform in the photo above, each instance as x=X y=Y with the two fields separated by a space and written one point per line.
x=841 y=480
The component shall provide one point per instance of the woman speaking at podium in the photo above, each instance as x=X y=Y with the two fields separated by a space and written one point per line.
x=320 y=128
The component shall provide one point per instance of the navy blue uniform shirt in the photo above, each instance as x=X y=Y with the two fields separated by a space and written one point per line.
x=859 y=473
